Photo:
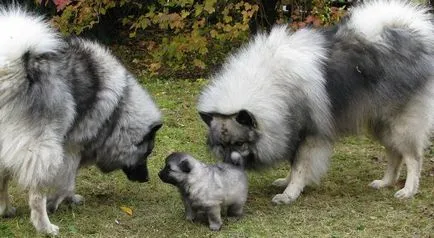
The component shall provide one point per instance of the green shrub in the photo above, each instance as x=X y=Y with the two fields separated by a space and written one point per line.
x=182 y=38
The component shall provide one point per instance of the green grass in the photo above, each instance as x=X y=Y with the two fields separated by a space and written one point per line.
x=342 y=206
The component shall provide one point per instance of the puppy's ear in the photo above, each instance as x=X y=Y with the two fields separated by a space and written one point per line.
x=246 y=118
x=206 y=117
x=185 y=166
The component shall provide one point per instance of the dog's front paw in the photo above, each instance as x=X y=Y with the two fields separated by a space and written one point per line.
x=405 y=193
x=9 y=212
x=49 y=229
x=281 y=182
x=282 y=199
x=377 y=184
x=52 y=230
x=76 y=199
x=215 y=226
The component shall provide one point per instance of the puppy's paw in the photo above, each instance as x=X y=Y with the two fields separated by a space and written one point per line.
x=215 y=226
x=282 y=199
x=9 y=212
x=281 y=182
x=405 y=193
x=190 y=217
x=377 y=184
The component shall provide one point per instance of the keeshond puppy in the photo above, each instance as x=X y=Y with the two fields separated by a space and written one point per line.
x=206 y=188
x=65 y=104
x=287 y=96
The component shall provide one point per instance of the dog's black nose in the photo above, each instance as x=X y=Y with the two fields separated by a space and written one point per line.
x=137 y=173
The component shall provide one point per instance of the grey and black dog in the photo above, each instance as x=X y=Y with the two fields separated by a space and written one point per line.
x=206 y=188
x=287 y=96
x=65 y=104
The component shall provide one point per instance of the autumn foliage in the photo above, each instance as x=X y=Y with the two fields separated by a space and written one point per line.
x=181 y=38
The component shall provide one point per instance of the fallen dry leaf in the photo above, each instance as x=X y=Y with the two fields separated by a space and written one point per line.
x=127 y=210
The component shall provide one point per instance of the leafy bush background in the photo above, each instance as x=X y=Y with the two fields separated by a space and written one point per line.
x=184 y=38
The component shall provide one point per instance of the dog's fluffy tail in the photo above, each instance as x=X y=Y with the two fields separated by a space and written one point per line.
x=371 y=18
x=21 y=33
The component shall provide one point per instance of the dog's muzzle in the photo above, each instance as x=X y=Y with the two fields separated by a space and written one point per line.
x=137 y=173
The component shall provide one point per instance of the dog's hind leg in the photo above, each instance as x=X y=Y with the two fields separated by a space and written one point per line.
x=38 y=214
x=310 y=164
x=67 y=194
x=394 y=162
x=6 y=210
x=65 y=188
x=407 y=134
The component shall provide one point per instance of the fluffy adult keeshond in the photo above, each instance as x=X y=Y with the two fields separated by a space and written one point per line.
x=206 y=188
x=289 y=95
x=64 y=104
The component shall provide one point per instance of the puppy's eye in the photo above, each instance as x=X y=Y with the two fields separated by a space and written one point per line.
x=239 y=144
x=170 y=169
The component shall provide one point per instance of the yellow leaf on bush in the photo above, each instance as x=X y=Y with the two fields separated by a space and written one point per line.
x=213 y=33
x=199 y=63
x=127 y=210
x=209 y=6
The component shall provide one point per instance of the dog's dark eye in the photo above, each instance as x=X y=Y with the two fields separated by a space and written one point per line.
x=239 y=144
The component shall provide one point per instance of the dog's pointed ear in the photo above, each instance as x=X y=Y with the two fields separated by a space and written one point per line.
x=206 y=117
x=246 y=118
x=185 y=166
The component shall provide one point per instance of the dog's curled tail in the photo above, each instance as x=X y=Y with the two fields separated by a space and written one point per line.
x=371 y=18
x=22 y=33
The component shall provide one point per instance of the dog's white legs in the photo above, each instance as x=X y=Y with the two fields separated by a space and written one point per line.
x=310 y=164
x=414 y=167
x=38 y=214
x=6 y=210
x=394 y=162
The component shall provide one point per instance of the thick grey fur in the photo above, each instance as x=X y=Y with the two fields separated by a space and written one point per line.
x=64 y=104
x=288 y=96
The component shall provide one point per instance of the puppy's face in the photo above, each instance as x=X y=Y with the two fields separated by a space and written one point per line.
x=176 y=170
x=232 y=138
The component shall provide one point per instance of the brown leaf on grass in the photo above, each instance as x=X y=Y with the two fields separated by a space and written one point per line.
x=127 y=210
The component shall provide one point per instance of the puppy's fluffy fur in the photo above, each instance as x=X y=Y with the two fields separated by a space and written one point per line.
x=206 y=188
